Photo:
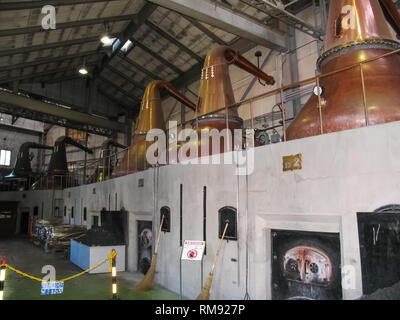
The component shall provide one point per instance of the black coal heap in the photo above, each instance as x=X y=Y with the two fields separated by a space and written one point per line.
x=100 y=236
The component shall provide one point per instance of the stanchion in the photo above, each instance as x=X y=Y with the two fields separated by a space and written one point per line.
x=2 y=276
x=31 y=229
x=114 y=287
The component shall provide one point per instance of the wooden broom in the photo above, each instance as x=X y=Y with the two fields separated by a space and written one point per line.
x=205 y=293
x=148 y=279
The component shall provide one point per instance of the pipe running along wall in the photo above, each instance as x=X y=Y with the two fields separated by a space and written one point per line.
x=150 y=117
x=359 y=97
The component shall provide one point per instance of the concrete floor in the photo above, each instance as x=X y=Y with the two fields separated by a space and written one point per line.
x=24 y=256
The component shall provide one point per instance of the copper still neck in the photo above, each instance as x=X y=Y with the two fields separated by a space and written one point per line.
x=150 y=115
x=358 y=24
x=23 y=164
x=58 y=162
x=362 y=96
x=216 y=88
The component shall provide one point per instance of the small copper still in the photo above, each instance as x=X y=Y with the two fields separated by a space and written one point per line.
x=22 y=168
x=361 y=96
x=150 y=117
x=57 y=175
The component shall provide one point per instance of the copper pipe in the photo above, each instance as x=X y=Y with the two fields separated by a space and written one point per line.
x=364 y=95
x=215 y=87
x=319 y=107
x=246 y=65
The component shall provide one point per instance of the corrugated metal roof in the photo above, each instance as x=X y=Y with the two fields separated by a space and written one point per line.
x=166 y=44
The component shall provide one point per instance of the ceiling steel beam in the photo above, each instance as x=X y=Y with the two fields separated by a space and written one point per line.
x=20 y=130
x=48 y=60
x=137 y=85
x=206 y=31
x=23 y=5
x=171 y=39
x=68 y=43
x=40 y=74
x=285 y=16
x=229 y=20
x=59 y=112
x=157 y=56
x=124 y=92
x=65 y=25
x=138 y=67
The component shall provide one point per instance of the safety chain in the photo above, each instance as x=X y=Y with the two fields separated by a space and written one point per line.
x=110 y=257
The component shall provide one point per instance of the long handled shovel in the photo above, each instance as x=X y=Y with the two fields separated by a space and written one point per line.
x=148 y=279
x=205 y=293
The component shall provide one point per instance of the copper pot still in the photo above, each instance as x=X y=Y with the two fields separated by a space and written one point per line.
x=216 y=92
x=357 y=30
x=150 y=117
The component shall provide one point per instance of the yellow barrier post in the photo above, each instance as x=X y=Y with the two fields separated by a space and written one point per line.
x=2 y=276
x=114 y=287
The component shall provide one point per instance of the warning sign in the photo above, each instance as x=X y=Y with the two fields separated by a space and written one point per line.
x=193 y=250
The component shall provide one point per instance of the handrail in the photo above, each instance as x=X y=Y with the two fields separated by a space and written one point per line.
x=95 y=164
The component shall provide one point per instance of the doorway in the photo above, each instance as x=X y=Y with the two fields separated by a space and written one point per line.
x=24 y=222
x=379 y=236
x=145 y=243
x=305 y=265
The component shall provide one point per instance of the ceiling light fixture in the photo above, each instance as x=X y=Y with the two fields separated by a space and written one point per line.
x=106 y=39
x=83 y=70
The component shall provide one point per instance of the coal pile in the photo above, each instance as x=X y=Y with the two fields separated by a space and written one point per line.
x=389 y=293
x=99 y=236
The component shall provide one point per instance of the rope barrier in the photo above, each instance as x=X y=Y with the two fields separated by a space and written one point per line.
x=109 y=257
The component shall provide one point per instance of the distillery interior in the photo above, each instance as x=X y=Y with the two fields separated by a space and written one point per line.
x=200 y=150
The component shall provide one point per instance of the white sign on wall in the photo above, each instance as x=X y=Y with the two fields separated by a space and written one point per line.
x=193 y=250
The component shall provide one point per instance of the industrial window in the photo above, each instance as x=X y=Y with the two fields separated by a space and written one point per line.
x=228 y=215
x=5 y=157
x=128 y=44
x=77 y=135
x=84 y=214
x=5 y=215
x=72 y=212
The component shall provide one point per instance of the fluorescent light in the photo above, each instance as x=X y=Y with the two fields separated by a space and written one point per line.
x=106 y=40
x=83 y=71
x=128 y=44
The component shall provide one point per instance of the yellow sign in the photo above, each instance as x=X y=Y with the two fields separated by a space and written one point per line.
x=291 y=163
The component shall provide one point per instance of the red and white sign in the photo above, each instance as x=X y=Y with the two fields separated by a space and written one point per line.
x=193 y=250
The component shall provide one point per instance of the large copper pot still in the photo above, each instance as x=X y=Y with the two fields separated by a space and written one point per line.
x=356 y=31
x=150 y=117
x=216 y=92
